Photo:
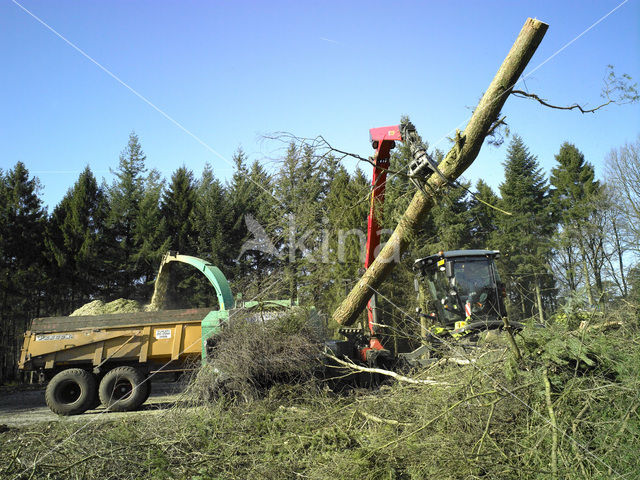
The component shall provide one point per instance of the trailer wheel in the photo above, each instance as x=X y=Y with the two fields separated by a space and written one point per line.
x=71 y=392
x=123 y=389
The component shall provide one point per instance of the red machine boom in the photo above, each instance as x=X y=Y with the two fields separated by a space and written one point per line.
x=383 y=141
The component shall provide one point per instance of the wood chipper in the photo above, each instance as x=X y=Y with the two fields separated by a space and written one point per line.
x=88 y=360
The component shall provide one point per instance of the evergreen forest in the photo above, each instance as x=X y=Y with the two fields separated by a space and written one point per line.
x=295 y=229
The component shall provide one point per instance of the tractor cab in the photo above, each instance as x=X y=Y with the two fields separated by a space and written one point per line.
x=460 y=290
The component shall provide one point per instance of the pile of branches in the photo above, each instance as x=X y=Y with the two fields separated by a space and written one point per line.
x=248 y=357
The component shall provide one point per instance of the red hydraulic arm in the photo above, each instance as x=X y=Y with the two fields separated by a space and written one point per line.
x=383 y=140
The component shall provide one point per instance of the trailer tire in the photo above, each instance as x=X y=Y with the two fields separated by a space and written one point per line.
x=71 y=392
x=123 y=389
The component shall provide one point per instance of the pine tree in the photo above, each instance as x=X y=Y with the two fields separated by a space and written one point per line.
x=125 y=197
x=178 y=203
x=483 y=216
x=524 y=236
x=207 y=219
x=249 y=196
x=574 y=192
x=341 y=252
x=150 y=233
x=208 y=215
x=452 y=221
x=76 y=241
x=22 y=221
x=301 y=188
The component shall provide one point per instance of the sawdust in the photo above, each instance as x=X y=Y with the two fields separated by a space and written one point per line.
x=98 y=307
x=158 y=300
x=123 y=305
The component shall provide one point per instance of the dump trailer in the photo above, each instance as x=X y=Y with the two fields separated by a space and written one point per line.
x=108 y=359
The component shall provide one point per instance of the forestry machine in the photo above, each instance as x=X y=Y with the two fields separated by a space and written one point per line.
x=460 y=291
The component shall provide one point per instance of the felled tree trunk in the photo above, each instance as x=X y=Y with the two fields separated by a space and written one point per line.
x=463 y=153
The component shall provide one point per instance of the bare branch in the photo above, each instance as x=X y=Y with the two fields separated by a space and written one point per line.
x=388 y=373
x=617 y=90
x=520 y=93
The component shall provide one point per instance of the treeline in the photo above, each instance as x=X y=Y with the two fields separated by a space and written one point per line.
x=569 y=241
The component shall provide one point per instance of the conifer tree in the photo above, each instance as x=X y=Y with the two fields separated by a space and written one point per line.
x=207 y=217
x=482 y=216
x=178 y=203
x=301 y=188
x=125 y=196
x=208 y=225
x=75 y=239
x=524 y=237
x=22 y=221
x=452 y=221
x=340 y=255
x=574 y=192
x=150 y=232
x=249 y=200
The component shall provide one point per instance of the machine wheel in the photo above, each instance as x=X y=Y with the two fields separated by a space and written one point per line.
x=123 y=389
x=71 y=392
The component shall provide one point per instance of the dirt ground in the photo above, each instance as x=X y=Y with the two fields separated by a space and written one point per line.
x=25 y=405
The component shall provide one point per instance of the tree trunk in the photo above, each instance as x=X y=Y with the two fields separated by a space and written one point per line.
x=585 y=269
x=539 y=300
x=463 y=153
x=571 y=270
x=620 y=262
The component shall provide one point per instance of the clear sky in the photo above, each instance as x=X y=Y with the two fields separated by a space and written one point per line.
x=231 y=72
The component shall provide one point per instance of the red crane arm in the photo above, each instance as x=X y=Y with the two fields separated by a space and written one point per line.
x=383 y=140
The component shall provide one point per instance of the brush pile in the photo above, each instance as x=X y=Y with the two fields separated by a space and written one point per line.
x=249 y=357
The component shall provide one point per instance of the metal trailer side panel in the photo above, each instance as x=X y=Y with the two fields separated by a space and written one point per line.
x=135 y=319
x=160 y=342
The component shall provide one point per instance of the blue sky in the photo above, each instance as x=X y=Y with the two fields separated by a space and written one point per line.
x=231 y=72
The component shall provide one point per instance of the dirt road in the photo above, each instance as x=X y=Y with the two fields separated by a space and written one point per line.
x=25 y=406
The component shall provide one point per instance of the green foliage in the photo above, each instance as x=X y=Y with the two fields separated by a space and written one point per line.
x=248 y=194
x=483 y=221
x=524 y=236
x=575 y=193
x=75 y=239
x=574 y=183
x=150 y=232
x=178 y=203
x=340 y=255
x=22 y=223
x=106 y=241
x=480 y=425
x=177 y=209
x=125 y=196
x=209 y=236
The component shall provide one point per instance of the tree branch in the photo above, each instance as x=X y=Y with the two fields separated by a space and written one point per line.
x=520 y=93
x=388 y=373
